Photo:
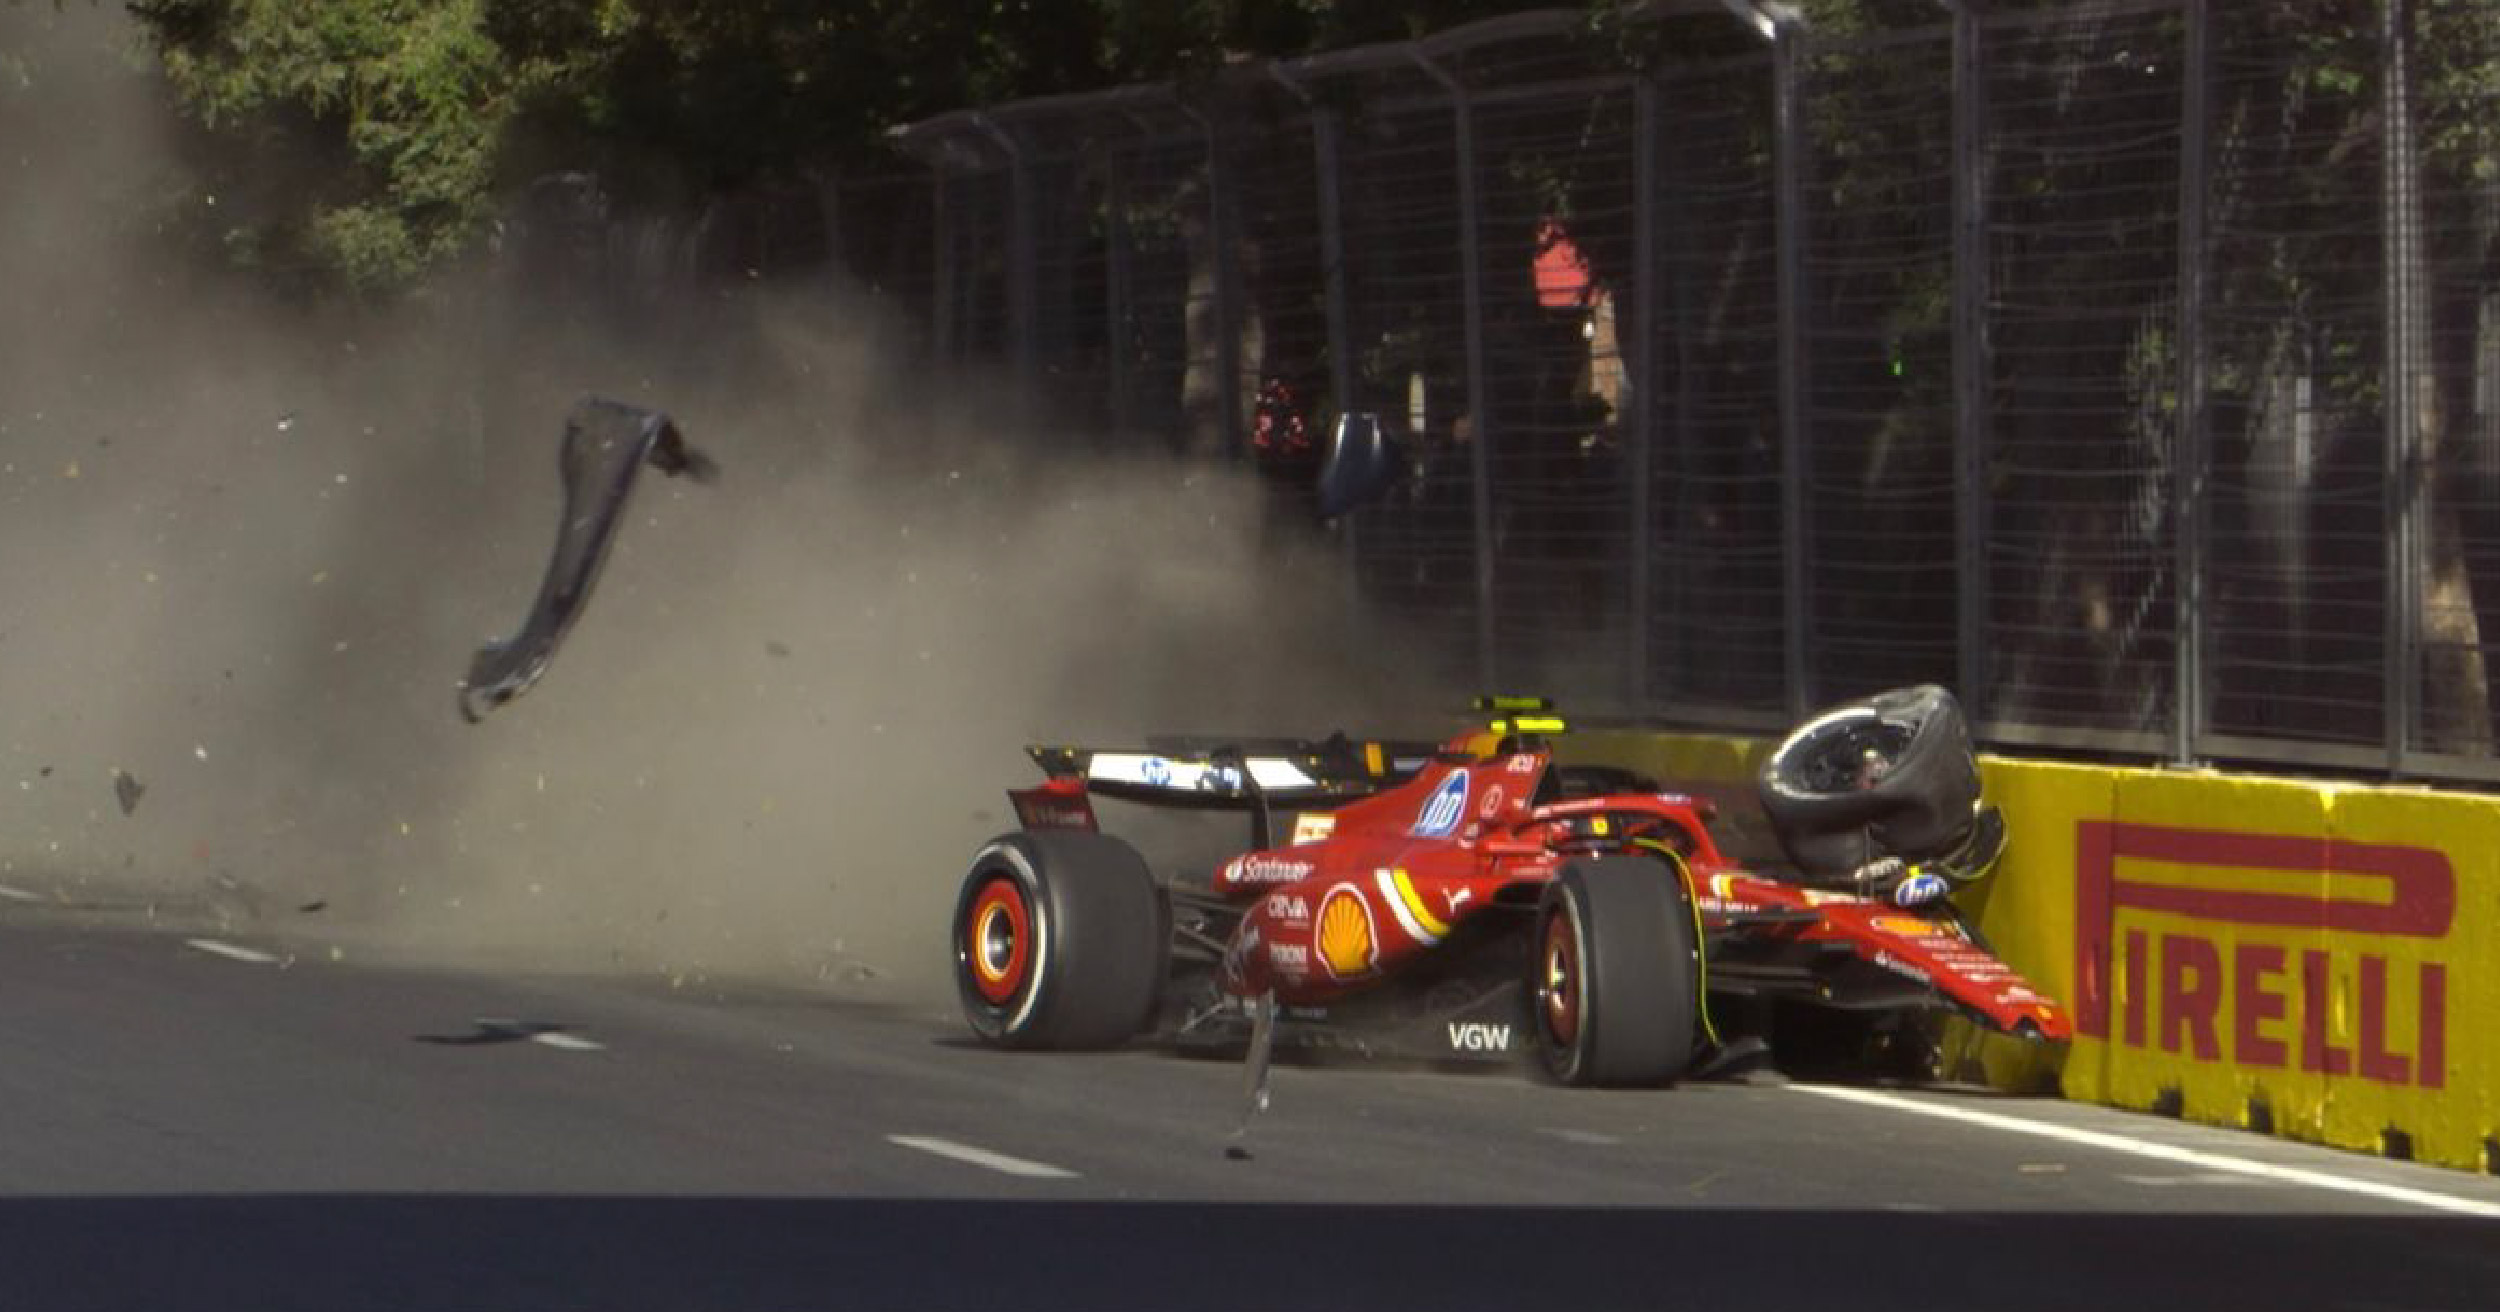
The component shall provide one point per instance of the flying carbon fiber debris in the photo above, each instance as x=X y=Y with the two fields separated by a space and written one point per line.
x=606 y=444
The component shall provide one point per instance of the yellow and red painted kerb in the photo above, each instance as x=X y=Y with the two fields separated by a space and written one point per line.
x=2319 y=961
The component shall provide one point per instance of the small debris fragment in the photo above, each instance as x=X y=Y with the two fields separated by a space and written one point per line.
x=317 y=904
x=1234 y=1152
x=776 y=649
x=127 y=791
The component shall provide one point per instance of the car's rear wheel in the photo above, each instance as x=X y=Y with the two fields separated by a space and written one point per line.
x=1616 y=974
x=1059 y=941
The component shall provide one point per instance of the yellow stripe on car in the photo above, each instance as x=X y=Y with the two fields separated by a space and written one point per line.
x=1407 y=903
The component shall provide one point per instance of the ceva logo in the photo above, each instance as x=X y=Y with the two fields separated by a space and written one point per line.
x=1447 y=806
x=2287 y=960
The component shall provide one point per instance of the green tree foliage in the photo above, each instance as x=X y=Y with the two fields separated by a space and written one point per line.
x=371 y=128
x=367 y=139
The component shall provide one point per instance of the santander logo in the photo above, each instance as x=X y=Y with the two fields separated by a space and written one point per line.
x=1266 y=870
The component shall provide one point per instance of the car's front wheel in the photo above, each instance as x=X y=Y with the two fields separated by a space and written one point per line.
x=1616 y=973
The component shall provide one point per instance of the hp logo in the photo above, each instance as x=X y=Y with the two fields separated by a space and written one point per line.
x=1442 y=813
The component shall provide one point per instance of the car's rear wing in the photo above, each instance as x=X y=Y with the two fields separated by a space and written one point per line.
x=1236 y=774
x=1253 y=775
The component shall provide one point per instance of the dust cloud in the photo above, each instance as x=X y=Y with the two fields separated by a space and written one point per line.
x=248 y=545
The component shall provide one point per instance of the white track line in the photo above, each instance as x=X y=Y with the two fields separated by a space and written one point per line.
x=982 y=1157
x=568 y=1042
x=230 y=951
x=19 y=894
x=2119 y=1143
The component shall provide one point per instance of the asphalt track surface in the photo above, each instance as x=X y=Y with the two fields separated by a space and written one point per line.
x=230 y=1121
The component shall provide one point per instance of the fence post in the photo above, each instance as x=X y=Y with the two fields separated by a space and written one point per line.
x=942 y=291
x=1220 y=234
x=1023 y=257
x=1796 y=472
x=1684 y=260
x=1480 y=438
x=2189 y=480
x=1024 y=302
x=1640 y=442
x=1120 y=282
x=1325 y=144
x=1973 y=364
x=1324 y=152
x=2400 y=218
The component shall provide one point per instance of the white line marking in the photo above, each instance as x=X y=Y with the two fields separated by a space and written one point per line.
x=2119 y=1143
x=981 y=1157
x=1589 y=1137
x=2216 y=1178
x=19 y=894
x=568 y=1042
x=230 y=951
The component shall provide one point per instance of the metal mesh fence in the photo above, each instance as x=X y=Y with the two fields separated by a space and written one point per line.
x=2080 y=453
x=1879 y=350
x=2446 y=208
x=1754 y=359
x=2298 y=569
x=1404 y=285
x=1715 y=626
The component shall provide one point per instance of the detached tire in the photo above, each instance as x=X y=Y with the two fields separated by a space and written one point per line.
x=1059 y=941
x=1830 y=823
x=1616 y=974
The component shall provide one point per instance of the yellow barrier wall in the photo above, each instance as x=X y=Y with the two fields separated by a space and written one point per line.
x=2439 y=987
x=2317 y=960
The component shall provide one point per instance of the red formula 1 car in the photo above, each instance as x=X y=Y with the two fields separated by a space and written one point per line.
x=1477 y=899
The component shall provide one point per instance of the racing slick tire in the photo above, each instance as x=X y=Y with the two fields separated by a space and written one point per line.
x=1831 y=820
x=1060 y=941
x=1616 y=973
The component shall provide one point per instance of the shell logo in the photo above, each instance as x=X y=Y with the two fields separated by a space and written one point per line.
x=1347 y=946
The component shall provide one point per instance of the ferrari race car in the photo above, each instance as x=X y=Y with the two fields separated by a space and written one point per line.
x=1477 y=900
